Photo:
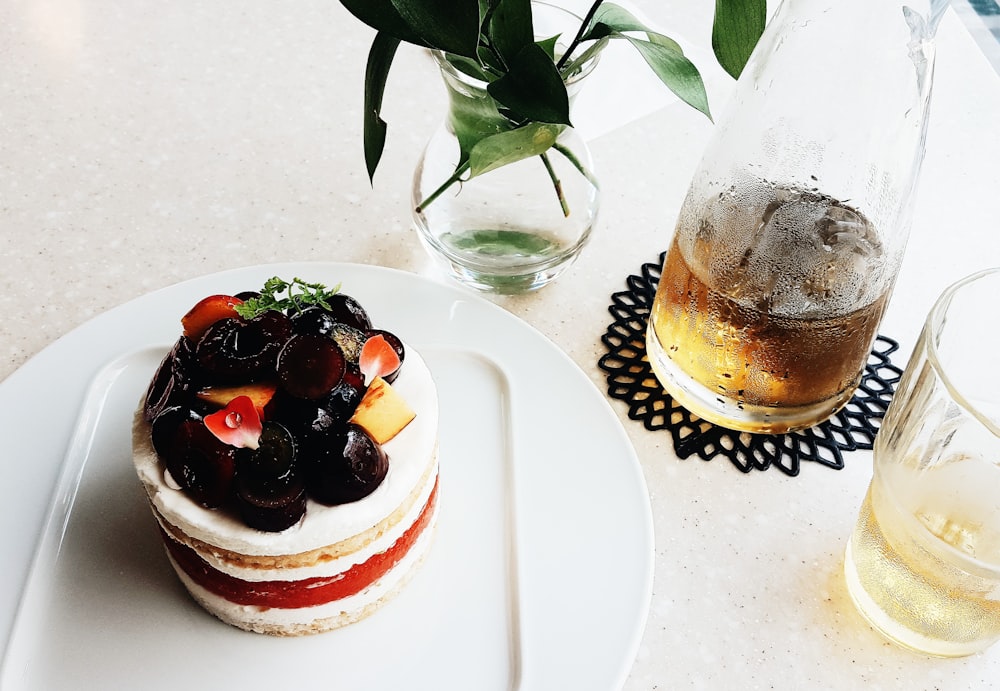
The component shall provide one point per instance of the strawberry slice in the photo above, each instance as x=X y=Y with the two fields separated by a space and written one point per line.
x=208 y=311
x=377 y=359
x=238 y=424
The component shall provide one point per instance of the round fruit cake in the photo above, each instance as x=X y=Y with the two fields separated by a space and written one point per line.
x=289 y=453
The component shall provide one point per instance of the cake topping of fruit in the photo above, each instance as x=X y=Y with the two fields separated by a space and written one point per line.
x=208 y=311
x=377 y=358
x=274 y=396
x=238 y=424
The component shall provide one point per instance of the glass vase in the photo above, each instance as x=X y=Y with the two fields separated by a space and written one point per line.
x=790 y=238
x=517 y=227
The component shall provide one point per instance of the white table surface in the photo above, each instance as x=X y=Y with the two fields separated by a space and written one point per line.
x=144 y=143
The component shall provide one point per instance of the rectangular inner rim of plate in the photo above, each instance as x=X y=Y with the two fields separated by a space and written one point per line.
x=453 y=369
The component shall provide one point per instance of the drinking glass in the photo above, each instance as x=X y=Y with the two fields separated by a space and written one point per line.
x=923 y=563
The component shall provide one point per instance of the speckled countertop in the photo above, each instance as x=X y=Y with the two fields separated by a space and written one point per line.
x=145 y=143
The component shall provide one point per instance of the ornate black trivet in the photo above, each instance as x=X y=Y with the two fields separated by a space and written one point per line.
x=631 y=379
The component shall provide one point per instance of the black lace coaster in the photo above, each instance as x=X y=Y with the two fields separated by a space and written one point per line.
x=631 y=379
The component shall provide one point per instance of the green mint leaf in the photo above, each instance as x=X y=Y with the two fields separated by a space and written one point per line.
x=249 y=308
x=300 y=295
x=736 y=28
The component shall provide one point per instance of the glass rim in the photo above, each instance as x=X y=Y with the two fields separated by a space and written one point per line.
x=933 y=327
x=584 y=70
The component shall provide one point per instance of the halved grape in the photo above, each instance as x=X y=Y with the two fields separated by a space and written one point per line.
x=310 y=366
x=343 y=400
x=313 y=320
x=269 y=492
x=300 y=416
x=173 y=381
x=165 y=424
x=202 y=465
x=236 y=350
x=272 y=516
x=347 y=471
x=347 y=310
x=349 y=339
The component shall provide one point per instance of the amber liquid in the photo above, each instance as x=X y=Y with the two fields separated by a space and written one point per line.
x=724 y=344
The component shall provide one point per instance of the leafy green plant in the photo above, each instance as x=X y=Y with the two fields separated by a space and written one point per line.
x=494 y=41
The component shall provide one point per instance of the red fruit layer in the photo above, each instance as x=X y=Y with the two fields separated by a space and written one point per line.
x=307 y=592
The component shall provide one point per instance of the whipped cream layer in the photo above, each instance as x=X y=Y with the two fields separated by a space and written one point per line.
x=320 y=568
x=411 y=454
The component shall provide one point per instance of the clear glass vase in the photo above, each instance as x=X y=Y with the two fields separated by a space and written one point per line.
x=789 y=241
x=517 y=227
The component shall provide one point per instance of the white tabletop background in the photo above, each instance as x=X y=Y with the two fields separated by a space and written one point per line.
x=144 y=143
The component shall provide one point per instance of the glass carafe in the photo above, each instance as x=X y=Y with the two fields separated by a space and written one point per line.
x=790 y=238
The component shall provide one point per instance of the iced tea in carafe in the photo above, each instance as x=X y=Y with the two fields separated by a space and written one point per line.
x=788 y=243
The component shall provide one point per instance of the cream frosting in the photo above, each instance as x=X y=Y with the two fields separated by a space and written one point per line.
x=410 y=452
x=328 y=567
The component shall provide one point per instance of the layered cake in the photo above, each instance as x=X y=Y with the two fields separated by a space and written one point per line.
x=289 y=453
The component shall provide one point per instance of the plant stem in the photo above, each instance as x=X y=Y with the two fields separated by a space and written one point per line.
x=579 y=34
x=571 y=157
x=455 y=177
x=556 y=183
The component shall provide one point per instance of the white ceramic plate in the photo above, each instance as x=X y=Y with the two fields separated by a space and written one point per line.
x=539 y=578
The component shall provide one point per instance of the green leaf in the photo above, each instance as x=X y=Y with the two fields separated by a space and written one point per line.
x=449 y=25
x=377 y=71
x=532 y=88
x=468 y=67
x=491 y=62
x=549 y=46
x=510 y=27
x=611 y=19
x=663 y=54
x=570 y=68
x=382 y=16
x=505 y=148
x=737 y=27
x=676 y=71
x=472 y=113
x=486 y=8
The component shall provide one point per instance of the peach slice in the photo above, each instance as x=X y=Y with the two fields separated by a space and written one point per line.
x=260 y=393
x=206 y=312
x=382 y=412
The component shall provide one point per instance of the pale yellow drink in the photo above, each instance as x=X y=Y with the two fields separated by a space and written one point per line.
x=923 y=563
x=913 y=572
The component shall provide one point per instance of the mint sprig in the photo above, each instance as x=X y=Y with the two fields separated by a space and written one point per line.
x=299 y=296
